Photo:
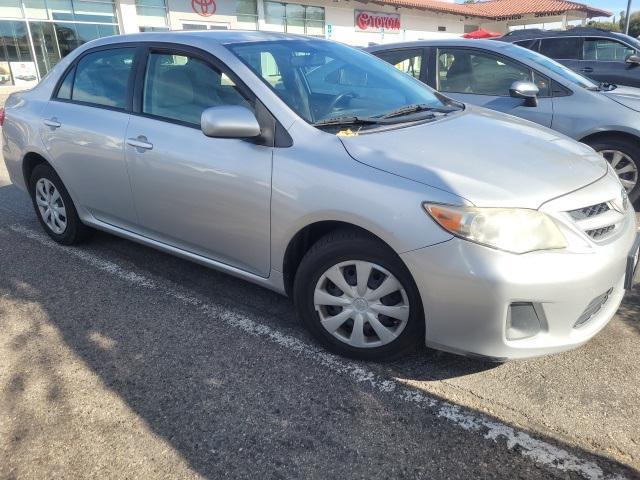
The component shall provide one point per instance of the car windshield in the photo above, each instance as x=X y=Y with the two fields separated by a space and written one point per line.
x=329 y=83
x=555 y=67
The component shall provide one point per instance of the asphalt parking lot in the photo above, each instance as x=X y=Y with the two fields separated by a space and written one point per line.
x=122 y=362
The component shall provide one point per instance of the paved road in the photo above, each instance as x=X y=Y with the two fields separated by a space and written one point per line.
x=122 y=362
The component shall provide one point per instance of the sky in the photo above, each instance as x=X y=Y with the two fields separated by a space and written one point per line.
x=615 y=6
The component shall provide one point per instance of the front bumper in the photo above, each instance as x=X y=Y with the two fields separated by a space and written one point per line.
x=467 y=290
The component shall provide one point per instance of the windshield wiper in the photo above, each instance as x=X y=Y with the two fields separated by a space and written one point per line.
x=418 y=107
x=346 y=121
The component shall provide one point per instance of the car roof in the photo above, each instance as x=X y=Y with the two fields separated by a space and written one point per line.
x=221 y=37
x=448 y=42
x=534 y=33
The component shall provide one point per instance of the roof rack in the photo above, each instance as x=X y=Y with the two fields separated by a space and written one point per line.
x=570 y=31
x=523 y=31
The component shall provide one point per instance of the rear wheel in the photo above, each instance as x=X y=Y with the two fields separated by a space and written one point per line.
x=54 y=207
x=357 y=297
x=624 y=157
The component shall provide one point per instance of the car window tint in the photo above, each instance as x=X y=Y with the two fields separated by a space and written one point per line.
x=64 y=92
x=565 y=48
x=102 y=77
x=407 y=61
x=180 y=87
x=605 y=50
x=471 y=71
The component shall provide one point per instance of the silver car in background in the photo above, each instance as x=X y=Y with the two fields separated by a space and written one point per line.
x=392 y=215
x=518 y=81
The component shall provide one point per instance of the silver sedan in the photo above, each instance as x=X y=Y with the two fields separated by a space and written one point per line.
x=394 y=216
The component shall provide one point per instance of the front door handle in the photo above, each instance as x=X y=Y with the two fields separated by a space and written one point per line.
x=140 y=143
x=586 y=69
x=53 y=123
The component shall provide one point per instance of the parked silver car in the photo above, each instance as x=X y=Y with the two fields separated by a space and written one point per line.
x=393 y=215
x=520 y=82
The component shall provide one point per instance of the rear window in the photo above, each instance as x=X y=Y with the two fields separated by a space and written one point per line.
x=566 y=48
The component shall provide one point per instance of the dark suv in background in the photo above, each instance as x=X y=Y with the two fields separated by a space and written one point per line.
x=599 y=54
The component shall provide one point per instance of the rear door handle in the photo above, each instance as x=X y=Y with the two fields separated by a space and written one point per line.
x=140 y=143
x=53 y=123
x=586 y=69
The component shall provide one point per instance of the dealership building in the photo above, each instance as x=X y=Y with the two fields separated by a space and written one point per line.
x=35 y=34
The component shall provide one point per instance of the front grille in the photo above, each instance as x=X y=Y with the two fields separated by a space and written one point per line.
x=588 y=212
x=593 y=308
x=598 y=233
x=599 y=221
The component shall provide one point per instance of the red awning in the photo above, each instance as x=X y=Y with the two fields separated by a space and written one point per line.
x=481 y=33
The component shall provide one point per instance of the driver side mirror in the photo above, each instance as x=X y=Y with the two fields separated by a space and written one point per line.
x=229 y=121
x=526 y=90
x=632 y=60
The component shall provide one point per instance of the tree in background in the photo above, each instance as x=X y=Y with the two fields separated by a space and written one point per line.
x=634 y=24
x=610 y=26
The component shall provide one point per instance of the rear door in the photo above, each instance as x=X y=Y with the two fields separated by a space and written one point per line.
x=604 y=61
x=83 y=130
x=483 y=78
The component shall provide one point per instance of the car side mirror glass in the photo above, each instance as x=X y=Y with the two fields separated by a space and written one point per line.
x=229 y=121
x=633 y=59
x=527 y=91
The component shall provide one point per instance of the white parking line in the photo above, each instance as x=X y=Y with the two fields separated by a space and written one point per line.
x=541 y=452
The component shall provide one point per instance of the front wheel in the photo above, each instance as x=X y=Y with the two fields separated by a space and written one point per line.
x=624 y=157
x=357 y=297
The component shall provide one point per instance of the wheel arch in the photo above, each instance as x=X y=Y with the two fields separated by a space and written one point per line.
x=29 y=162
x=306 y=237
x=609 y=134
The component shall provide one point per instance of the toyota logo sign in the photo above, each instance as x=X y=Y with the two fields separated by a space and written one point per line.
x=376 y=21
x=204 y=8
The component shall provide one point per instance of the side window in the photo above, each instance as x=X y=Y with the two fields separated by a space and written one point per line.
x=407 y=61
x=102 y=77
x=605 y=50
x=471 y=71
x=64 y=92
x=530 y=44
x=565 y=48
x=180 y=87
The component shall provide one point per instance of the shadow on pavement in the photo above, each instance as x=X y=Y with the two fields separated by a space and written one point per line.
x=226 y=402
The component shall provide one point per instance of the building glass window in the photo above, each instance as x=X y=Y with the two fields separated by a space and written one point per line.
x=152 y=15
x=10 y=9
x=247 y=14
x=57 y=27
x=295 y=18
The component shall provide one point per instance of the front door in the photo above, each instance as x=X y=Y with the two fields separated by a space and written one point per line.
x=482 y=78
x=83 y=131
x=208 y=196
x=604 y=61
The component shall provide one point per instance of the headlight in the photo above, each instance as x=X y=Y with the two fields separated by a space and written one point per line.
x=514 y=230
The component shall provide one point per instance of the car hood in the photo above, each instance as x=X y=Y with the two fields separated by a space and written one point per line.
x=488 y=158
x=627 y=96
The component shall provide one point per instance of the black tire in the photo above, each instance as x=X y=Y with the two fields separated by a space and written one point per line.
x=345 y=245
x=75 y=231
x=626 y=146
